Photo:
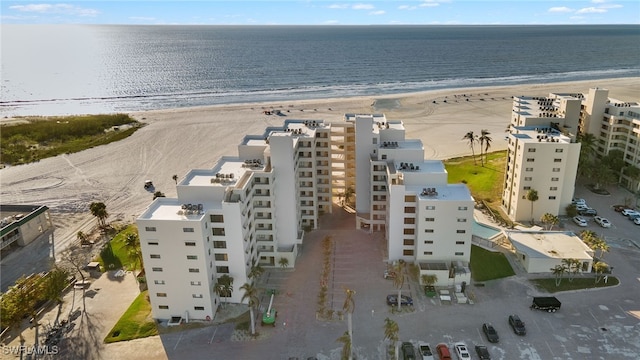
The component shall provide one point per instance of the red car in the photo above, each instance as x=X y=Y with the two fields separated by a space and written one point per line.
x=443 y=351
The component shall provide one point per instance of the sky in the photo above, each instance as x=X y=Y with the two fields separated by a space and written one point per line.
x=322 y=12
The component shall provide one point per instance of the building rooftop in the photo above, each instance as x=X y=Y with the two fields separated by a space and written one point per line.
x=549 y=244
x=540 y=134
x=173 y=209
x=449 y=192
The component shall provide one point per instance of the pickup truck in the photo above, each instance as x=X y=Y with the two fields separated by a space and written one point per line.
x=547 y=303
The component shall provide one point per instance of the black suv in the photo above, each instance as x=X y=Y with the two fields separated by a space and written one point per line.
x=408 y=352
x=517 y=325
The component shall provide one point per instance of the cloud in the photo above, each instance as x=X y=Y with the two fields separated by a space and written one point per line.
x=406 y=7
x=339 y=6
x=560 y=9
x=591 y=10
x=363 y=7
x=598 y=1
x=377 y=12
x=65 y=9
x=610 y=6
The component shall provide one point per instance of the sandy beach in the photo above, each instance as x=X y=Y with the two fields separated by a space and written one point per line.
x=177 y=140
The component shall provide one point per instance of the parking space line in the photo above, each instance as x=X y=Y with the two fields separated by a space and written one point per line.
x=178 y=342
x=212 y=336
x=550 y=350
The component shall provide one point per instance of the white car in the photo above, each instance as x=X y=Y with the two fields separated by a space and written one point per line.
x=580 y=221
x=636 y=221
x=627 y=212
x=462 y=351
x=425 y=351
x=582 y=207
x=605 y=223
x=579 y=202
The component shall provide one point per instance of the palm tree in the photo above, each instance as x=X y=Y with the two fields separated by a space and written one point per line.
x=345 y=339
x=223 y=287
x=599 y=267
x=132 y=244
x=175 y=178
x=472 y=140
x=549 y=220
x=284 y=262
x=485 y=143
x=391 y=332
x=600 y=245
x=348 y=193
x=572 y=267
x=99 y=210
x=348 y=307
x=256 y=272
x=158 y=194
x=532 y=195
x=398 y=282
x=251 y=293
x=558 y=271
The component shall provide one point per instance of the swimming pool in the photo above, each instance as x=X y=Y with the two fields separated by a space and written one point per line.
x=484 y=231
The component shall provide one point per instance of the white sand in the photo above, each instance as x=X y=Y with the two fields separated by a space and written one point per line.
x=178 y=140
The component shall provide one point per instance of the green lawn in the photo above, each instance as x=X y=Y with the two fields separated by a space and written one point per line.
x=115 y=255
x=484 y=182
x=135 y=323
x=487 y=265
x=549 y=284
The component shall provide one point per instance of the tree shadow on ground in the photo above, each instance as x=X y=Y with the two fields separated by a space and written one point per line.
x=109 y=259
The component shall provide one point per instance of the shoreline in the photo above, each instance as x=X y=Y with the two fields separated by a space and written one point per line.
x=180 y=139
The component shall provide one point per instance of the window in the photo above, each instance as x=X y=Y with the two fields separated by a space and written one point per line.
x=527 y=179
x=218 y=231
x=221 y=257
x=190 y=243
x=462 y=220
x=196 y=296
x=409 y=221
x=531 y=159
x=408 y=242
x=557 y=160
x=384 y=157
x=187 y=229
x=152 y=243
x=559 y=150
x=461 y=231
x=528 y=169
x=156 y=269
x=222 y=269
x=219 y=244
x=556 y=170
x=150 y=228
x=552 y=197
x=459 y=253
x=409 y=198
x=409 y=231
x=192 y=257
x=163 y=307
x=194 y=270
x=531 y=150
x=553 y=188
x=217 y=218
x=158 y=282
x=462 y=208
x=407 y=252
x=196 y=283
x=459 y=242
x=155 y=256
x=428 y=230
x=161 y=294
x=409 y=210
x=428 y=252
x=429 y=219
x=555 y=179
x=198 y=308
x=428 y=241
x=430 y=207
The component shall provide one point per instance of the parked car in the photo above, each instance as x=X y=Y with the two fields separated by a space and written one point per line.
x=578 y=201
x=443 y=351
x=636 y=221
x=462 y=351
x=582 y=207
x=490 y=332
x=425 y=351
x=388 y=274
x=517 y=325
x=580 y=221
x=619 y=208
x=632 y=217
x=483 y=352
x=405 y=300
x=602 y=221
x=588 y=212
x=408 y=352
x=627 y=212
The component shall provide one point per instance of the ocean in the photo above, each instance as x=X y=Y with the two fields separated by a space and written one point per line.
x=79 y=69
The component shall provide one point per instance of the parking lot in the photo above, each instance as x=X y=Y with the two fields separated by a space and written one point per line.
x=592 y=324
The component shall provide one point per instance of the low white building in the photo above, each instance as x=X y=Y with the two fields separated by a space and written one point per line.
x=541 y=251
